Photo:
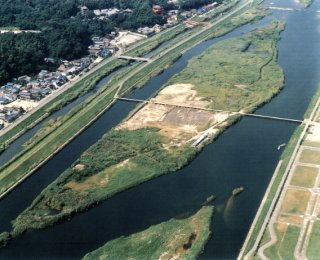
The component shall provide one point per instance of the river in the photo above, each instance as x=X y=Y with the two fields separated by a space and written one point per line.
x=244 y=155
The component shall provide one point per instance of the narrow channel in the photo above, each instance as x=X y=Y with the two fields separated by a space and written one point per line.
x=245 y=155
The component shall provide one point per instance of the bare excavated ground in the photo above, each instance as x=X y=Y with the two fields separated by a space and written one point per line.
x=179 y=123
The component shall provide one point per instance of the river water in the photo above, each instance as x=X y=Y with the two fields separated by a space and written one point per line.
x=244 y=155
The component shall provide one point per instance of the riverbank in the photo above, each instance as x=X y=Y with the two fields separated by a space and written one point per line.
x=279 y=221
x=173 y=239
x=65 y=129
x=124 y=158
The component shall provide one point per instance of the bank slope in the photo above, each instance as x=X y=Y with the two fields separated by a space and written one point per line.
x=173 y=239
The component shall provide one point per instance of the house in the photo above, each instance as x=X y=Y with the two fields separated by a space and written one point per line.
x=172 y=20
x=157 y=28
x=97 y=12
x=109 y=12
x=83 y=9
x=2 y=115
x=25 y=95
x=4 y=101
x=24 y=78
x=104 y=52
x=146 y=31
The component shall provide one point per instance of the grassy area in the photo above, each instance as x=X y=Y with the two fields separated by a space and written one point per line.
x=173 y=239
x=310 y=156
x=312 y=104
x=121 y=159
x=295 y=201
x=243 y=74
x=313 y=247
x=304 y=176
x=288 y=238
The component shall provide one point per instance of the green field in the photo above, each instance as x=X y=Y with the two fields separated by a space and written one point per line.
x=313 y=247
x=238 y=73
x=124 y=158
x=287 y=241
x=173 y=239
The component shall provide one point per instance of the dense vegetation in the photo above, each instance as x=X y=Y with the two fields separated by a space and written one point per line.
x=65 y=29
x=173 y=239
x=243 y=75
x=128 y=158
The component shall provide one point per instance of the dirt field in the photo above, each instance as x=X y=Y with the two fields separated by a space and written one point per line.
x=304 y=176
x=314 y=133
x=126 y=39
x=295 y=202
x=310 y=156
x=289 y=219
x=25 y=104
x=178 y=123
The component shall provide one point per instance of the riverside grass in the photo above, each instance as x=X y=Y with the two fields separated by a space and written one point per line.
x=58 y=132
x=124 y=158
x=175 y=238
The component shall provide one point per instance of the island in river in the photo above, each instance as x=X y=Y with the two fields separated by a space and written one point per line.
x=243 y=75
x=173 y=239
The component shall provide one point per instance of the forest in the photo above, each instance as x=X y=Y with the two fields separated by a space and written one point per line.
x=65 y=30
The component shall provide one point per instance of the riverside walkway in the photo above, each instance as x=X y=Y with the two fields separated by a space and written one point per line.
x=212 y=109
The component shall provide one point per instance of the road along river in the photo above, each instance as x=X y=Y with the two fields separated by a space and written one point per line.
x=245 y=155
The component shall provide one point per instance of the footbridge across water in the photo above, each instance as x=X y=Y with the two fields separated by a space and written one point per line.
x=134 y=58
x=212 y=110
x=281 y=8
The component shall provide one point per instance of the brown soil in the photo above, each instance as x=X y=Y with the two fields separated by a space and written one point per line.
x=295 y=201
x=289 y=219
x=185 y=246
x=180 y=124
x=78 y=168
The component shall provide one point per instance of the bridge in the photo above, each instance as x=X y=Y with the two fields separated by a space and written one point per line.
x=134 y=58
x=212 y=110
x=280 y=8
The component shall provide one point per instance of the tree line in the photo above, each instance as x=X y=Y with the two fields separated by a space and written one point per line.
x=65 y=30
